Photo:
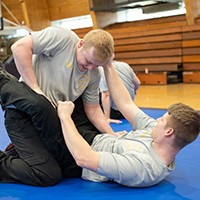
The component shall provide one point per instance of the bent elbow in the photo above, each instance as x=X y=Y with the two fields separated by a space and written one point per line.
x=13 y=47
x=81 y=163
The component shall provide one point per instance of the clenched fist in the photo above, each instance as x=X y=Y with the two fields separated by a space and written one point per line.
x=65 y=109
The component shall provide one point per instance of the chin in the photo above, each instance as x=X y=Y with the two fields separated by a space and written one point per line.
x=81 y=68
x=152 y=132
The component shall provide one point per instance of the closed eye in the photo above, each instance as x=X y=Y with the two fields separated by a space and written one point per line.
x=88 y=61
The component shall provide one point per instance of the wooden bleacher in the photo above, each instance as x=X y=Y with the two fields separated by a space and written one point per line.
x=191 y=54
x=163 y=47
x=157 y=52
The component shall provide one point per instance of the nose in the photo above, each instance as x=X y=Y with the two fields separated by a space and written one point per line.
x=158 y=119
x=90 y=67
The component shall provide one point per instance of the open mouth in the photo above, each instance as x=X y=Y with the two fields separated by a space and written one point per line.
x=84 y=67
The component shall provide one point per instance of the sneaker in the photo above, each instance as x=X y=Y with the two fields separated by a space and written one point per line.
x=10 y=150
x=5 y=76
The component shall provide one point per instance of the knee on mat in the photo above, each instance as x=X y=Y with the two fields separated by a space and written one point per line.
x=53 y=178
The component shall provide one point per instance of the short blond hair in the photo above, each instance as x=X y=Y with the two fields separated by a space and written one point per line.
x=103 y=43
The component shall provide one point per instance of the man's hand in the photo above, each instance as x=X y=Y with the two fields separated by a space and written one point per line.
x=65 y=109
x=120 y=133
x=115 y=121
x=109 y=61
x=39 y=91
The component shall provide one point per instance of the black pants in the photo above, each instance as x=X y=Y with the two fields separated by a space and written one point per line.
x=115 y=114
x=35 y=131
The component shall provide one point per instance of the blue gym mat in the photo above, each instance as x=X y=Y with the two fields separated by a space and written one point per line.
x=182 y=183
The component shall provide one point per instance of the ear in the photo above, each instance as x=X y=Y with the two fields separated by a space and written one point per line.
x=169 y=132
x=80 y=43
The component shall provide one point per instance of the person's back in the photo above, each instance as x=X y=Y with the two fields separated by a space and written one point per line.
x=128 y=78
x=126 y=75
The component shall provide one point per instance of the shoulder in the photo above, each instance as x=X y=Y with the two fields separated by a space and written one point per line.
x=142 y=120
x=55 y=32
x=122 y=66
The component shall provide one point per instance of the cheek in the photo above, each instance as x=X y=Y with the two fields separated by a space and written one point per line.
x=80 y=61
x=79 y=58
x=153 y=131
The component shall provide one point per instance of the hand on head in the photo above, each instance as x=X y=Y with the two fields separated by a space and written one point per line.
x=109 y=61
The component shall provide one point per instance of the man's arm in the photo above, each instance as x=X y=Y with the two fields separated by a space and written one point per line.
x=119 y=94
x=81 y=151
x=23 y=52
x=105 y=98
x=96 y=116
x=136 y=83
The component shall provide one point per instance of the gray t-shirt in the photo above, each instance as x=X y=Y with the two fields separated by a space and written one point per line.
x=56 y=69
x=126 y=74
x=129 y=159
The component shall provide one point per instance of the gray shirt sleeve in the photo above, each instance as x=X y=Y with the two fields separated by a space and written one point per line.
x=51 y=40
x=143 y=121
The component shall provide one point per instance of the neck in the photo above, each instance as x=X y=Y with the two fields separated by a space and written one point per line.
x=166 y=152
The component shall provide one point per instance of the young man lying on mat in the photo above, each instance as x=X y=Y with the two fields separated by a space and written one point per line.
x=143 y=157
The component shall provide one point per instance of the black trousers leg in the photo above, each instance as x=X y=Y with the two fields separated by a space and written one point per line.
x=115 y=114
x=46 y=121
x=34 y=165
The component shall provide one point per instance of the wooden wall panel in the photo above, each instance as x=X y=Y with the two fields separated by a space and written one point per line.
x=15 y=7
x=164 y=60
x=130 y=33
x=192 y=59
x=191 y=66
x=151 y=39
x=150 y=46
x=34 y=14
x=155 y=68
x=191 y=43
x=149 y=54
x=148 y=22
x=149 y=79
x=61 y=9
x=37 y=14
x=191 y=52
x=191 y=77
x=149 y=27
x=191 y=35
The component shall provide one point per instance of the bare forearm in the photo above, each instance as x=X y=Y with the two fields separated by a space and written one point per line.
x=81 y=151
x=117 y=89
x=102 y=125
x=79 y=148
x=22 y=52
x=120 y=94
x=96 y=116
x=106 y=104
